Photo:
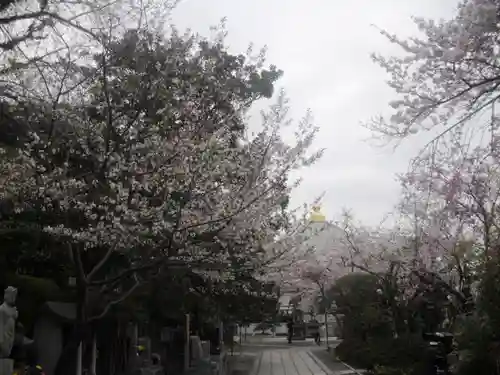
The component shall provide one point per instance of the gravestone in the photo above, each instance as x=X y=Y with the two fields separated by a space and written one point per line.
x=205 y=347
x=145 y=354
x=48 y=332
x=8 y=316
x=167 y=334
x=155 y=368
x=150 y=363
x=196 y=348
x=201 y=360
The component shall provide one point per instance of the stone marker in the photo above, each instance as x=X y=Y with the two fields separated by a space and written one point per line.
x=8 y=316
x=205 y=347
x=196 y=348
x=145 y=354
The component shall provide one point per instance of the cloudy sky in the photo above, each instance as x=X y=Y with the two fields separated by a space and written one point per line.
x=323 y=46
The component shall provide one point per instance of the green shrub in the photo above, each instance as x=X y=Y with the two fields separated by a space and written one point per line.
x=476 y=349
x=405 y=354
x=354 y=352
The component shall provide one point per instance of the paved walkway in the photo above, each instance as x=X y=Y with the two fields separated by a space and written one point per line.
x=280 y=341
x=293 y=361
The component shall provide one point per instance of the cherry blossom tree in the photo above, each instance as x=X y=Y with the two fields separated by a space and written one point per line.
x=446 y=77
x=153 y=164
x=453 y=204
x=317 y=260
x=446 y=81
x=447 y=85
x=44 y=42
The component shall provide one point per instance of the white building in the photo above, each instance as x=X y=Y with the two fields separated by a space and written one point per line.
x=322 y=245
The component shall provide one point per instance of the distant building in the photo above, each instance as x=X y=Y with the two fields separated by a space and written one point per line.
x=321 y=239
x=286 y=300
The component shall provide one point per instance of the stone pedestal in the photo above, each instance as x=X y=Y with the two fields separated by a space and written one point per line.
x=205 y=346
x=6 y=366
x=196 y=348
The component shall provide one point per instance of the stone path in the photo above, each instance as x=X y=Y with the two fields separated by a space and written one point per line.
x=293 y=361
x=280 y=341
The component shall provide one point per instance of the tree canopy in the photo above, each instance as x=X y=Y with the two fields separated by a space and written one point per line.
x=131 y=169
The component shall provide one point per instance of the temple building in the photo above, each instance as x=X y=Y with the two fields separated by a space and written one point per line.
x=320 y=238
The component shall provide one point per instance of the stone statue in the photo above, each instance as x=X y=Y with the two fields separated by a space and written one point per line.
x=8 y=316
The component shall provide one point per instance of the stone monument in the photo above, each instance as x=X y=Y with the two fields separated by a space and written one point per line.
x=8 y=316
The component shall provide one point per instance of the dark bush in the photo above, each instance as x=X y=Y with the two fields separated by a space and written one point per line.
x=477 y=346
x=354 y=352
x=407 y=352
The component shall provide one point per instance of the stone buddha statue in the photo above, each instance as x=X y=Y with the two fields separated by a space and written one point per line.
x=8 y=316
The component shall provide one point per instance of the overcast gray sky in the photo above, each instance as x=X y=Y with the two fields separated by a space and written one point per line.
x=324 y=48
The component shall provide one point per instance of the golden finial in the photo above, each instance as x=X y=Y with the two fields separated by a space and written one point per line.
x=316 y=215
